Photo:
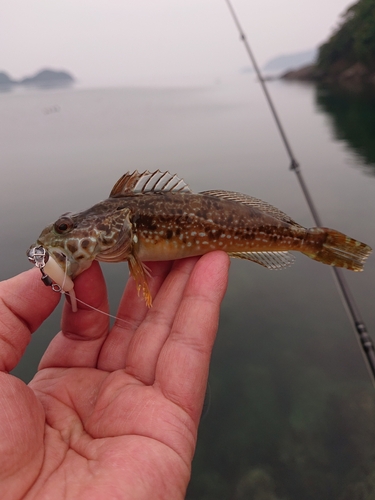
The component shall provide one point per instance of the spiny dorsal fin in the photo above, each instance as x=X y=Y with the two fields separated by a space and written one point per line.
x=271 y=260
x=252 y=202
x=148 y=182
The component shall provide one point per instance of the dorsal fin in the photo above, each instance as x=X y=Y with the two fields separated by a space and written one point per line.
x=148 y=182
x=252 y=202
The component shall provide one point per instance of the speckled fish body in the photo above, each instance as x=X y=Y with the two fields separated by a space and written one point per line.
x=155 y=216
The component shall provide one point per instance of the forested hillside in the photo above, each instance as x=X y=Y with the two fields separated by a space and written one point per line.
x=348 y=57
x=352 y=43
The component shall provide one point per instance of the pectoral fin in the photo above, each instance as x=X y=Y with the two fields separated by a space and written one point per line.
x=139 y=272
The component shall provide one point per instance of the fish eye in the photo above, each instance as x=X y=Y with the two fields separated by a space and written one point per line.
x=63 y=225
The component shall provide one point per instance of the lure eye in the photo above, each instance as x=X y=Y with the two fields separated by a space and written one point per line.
x=63 y=225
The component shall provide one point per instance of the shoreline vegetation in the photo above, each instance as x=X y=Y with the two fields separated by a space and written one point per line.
x=348 y=57
x=45 y=78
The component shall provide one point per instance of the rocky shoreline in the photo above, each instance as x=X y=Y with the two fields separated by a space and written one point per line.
x=355 y=76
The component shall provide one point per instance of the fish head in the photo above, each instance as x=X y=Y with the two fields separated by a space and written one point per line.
x=75 y=240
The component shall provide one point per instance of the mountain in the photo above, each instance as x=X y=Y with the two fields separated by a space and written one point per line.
x=348 y=56
x=45 y=79
x=280 y=64
x=289 y=61
x=5 y=79
x=48 y=77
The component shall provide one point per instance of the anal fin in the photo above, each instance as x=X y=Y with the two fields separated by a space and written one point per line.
x=270 y=260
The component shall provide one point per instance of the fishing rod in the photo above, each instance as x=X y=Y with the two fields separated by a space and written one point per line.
x=362 y=335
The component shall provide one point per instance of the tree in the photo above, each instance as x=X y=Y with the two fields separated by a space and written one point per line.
x=353 y=41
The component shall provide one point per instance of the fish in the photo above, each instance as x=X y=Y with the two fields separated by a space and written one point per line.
x=155 y=216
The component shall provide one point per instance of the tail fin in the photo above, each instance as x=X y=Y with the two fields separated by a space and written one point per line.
x=335 y=249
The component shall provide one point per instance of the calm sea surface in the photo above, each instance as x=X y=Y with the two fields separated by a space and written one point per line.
x=292 y=409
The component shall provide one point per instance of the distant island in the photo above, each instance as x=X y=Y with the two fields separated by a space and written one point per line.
x=348 y=57
x=45 y=78
x=281 y=63
x=287 y=61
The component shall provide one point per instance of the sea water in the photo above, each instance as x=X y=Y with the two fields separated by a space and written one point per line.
x=292 y=408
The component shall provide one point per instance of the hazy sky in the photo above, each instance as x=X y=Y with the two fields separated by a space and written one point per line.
x=156 y=41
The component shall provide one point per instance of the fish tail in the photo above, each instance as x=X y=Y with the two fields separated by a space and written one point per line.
x=335 y=249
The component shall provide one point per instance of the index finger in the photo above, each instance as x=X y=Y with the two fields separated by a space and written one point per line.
x=24 y=304
x=83 y=332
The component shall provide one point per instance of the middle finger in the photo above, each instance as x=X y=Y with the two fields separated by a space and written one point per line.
x=131 y=312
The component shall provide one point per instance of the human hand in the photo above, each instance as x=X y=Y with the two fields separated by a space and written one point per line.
x=111 y=413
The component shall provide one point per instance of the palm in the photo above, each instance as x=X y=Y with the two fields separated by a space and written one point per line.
x=122 y=427
x=115 y=414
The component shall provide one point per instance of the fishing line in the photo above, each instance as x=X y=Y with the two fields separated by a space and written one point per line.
x=98 y=310
x=359 y=326
x=61 y=290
